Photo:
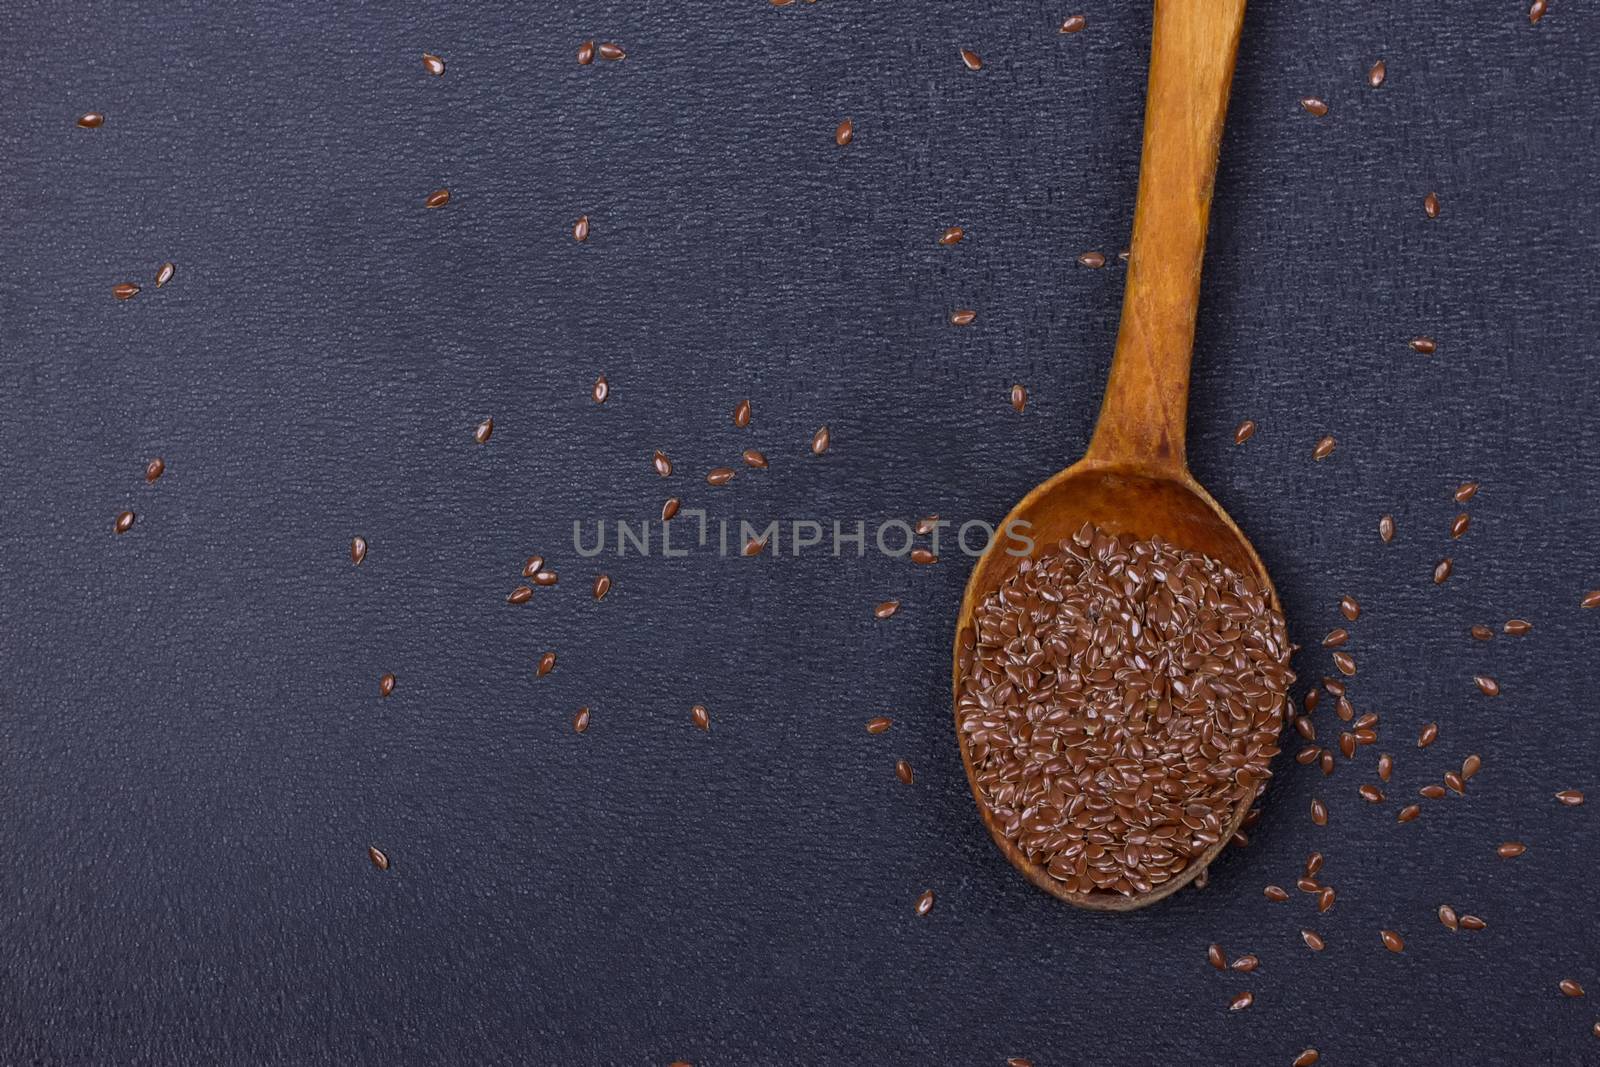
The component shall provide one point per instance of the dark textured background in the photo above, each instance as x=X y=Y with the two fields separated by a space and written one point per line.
x=193 y=756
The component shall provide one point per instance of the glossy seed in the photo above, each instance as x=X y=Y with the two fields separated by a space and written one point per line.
x=1324 y=448
x=125 y=291
x=1313 y=940
x=925 y=902
x=923 y=556
x=1244 y=431
x=1314 y=106
x=1371 y=794
x=1472 y=922
x=1447 y=916
x=1019 y=1061
x=1217 y=958
x=741 y=414
x=1430 y=205
x=1307 y=1058
x=1442 y=571
x=1392 y=941
x=1409 y=812
x=1429 y=734
x=1481 y=633
x=602 y=390
x=580 y=229
x=1377 y=73
x=1591 y=599
x=1570 y=988
x=1350 y=608
x=701 y=717
x=1486 y=685
x=1319 y=813
x=155 y=469
x=1336 y=638
x=483 y=431
x=879 y=724
x=963 y=317
x=1385 y=767
x=1242 y=1001
x=719 y=476
x=124 y=522
x=378 y=857
x=586 y=53
x=1431 y=792
x=520 y=595
x=1346 y=663
x=1511 y=850
x=971 y=59
x=952 y=235
x=602 y=586
x=1276 y=894
x=1325 y=900
x=820 y=441
x=1427 y=346
x=164 y=274
x=1536 y=12
x=1386 y=528
x=886 y=608
x=612 y=52
x=432 y=64
x=580 y=721
x=358 y=549
x=1459 y=524
x=1019 y=398
x=547 y=663
x=1466 y=491
x=1327 y=763
x=1453 y=780
x=662 y=464
x=1570 y=797
x=437 y=198
x=1245 y=964
x=1092 y=260
x=1470 y=766
x=844 y=133
x=533 y=566
x=902 y=771
x=91 y=120
x=386 y=685
x=1517 y=627
x=1073 y=24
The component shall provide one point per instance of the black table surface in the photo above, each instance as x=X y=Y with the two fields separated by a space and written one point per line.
x=194 y=758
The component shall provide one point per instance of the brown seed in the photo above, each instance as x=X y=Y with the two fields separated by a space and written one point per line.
x=1313 y=698
x=1245 y=964
x=484 y=431
x=1447 y=915
x=358 y=550
x=1432 y=792
x=971 y=60
x=1472 y=922
x=1350 y=608
x=1453 y=780
x=1466 y=491
x=1324 y=448
x=886 y=608
x=820 y=441
x=1511 y=850
x=437 y=198
x=164 y=274
x=124 y=522
x=1306 y=1058
x=1306 y=728
x=1429 y=734
x=378 y=857
x=1517 y=627
x=1319 y=813
x=1019 y=1061
x=719 y=475
x=1092 y=260
x=1313 y=864
x=1442 y=571
x=1591 y=599
x=1276 y=894
x=1486 y=685
x=670 y=508
x=1242 y=1001
x=1314 y=106
x=844 y=133
x=1570 y=797
x=1409 y=812
x=125 y=291
x=520 y=595
x=1392 y=941
x=662 y=464
x=386 y=685
x=602 y=586
x=1536 y=12
x=580 y=721
x=1244 y=431
x=580 y=229
x=923 y=556
x=1386 y=528
x=91 y=120
x=1430 y=205
x=1347 y=744
x=432 y=64
x=602 y=390
x=879 y=724
x=741 y=414
x=1377 y=73
x=952 y=235
x=1019 y=398
x=1325 y=900
x=1459 y=524
x=1327 y=763
x=1481 y=633
x=586 y=53
x=925 y=902
x=755 y=458
x=1217 y=958
x=533 y=566
x=963 y=317
x=753 y=547
x=609 y=51
x=1371 y=794
x=1470 y=767
x=902 y=771
x=1308 y=755
x=547 y=663
x=701 y=717
x=1336 y=638
x=1313 y=940
x=1385 y=766
x=1571 y=988
x=154 y=469
x=1346 y=663
x=1073 y=23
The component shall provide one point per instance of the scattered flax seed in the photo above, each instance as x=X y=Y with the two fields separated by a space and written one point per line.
x=1073 y=24
x=1314 y=864
x=923 y=556
x=1307 y=1058
x=1536 y=12
x=1242 y=1001
x=1217 y=958
x=1470 y=767
x=953 y=235
x=1326 y=763
x=124 y=522
x=1377 y=73
x=753 y=547
x=1245 y=964
x=1308 y=755
x=1336 y=638
x=1570 y=988
x=1092 y=260
x=1459 y=524
x=1019 y=399
x=1314 y=106
x=1319 y=813
x=1350 y=608
x=1324 y=448
x=1244 y=431
x=755 y=458
x=437 y=198
x=1442 y=571
x=1486 y=685
x=91 y=120
x=533 y=566
x=844 y=133
x=886 y=609
x=378 y=857
x=602 y=586
x=580 y=721
x=925 y=902
x=741 y=414
x=1313 y=698
x=611 y=52
x=1430 y=205
x=1572 y=798
x=1276 y=894
x=586 y=53
x=701 y=717
x=1472 y=922
x=719 y=475
x=1511 y=850
x=386 y=685
x=971 y=59
x=1307 y=729
x=1466 y=491
x=1392 y=941
x=1385 y=767
x=820 y=441
x=1447 y=915
x=1346 y=663
x=602 y=390
x=963 y=317
x=1313 y=940
x=902 y=771
x=156 y=468
x=1481 y=633
x=1454 y=781
x=662 y=464
x=1432 y=792
x=1347 y=745
x=580 y=229
x=1517 y=627
x=1019 y=1061
x=520 y=595
x=879 y=724
x=125 y=291
x=1386 y=528
x=164 y=274
x=484 y=431
x=1325 y=900
x=1371 y=794
x=1409 y=812
x=433 y=64
x=1591 y=599
x=547 y=663
x=1427 y=346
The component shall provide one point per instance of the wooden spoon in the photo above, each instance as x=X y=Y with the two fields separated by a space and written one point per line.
x=1135 y=478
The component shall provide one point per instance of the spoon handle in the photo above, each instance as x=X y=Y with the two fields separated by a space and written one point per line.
x=1143 y=415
